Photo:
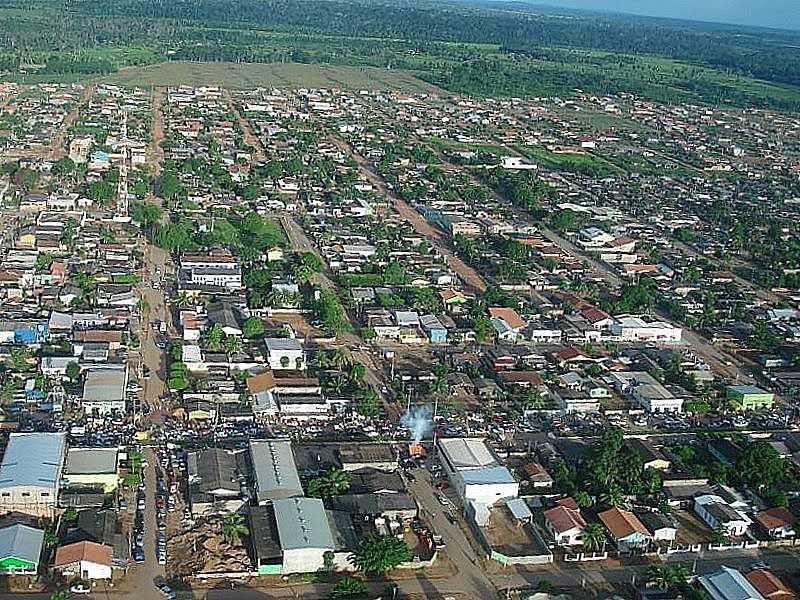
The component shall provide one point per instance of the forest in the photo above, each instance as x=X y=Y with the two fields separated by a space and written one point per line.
x=473 y=48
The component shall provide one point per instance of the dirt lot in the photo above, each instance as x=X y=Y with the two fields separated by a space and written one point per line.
x=283 y=75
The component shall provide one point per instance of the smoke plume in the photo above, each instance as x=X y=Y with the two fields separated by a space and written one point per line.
x=418 y=421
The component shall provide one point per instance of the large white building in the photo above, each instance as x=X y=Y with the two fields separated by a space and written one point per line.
x=304 y=532
x=30 y=473
x=635 y=329
x=647 y=392
x=475 y=472
x=104 y=391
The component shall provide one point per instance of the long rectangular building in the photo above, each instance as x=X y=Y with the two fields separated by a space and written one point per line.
x=30 y=473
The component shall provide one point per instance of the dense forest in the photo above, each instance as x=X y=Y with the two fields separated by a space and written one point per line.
x=474 y=48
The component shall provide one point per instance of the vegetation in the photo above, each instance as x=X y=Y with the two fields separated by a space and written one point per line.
x=234 y=529
x=476 y=49
x=333 y=483
x=380 y=553
x=348 y=587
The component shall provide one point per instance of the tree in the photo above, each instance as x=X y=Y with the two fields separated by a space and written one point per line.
x=339 y=359
x=100 y=191
x=253 y=328
x=357 y=372
x=234 y=529
x=63 y=166
x=760 y=466
x=213 y=337
x=368 y=404
x=73 y=371
x=146 y=214
x=233 y=344
x=583 y=499
x=43 y=262
x=594 y=538
x=20 y=358
x=380 y=553
x=348 y=587
x=333 y=483
x=59 y=596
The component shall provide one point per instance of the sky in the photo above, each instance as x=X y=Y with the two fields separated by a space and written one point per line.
x=784 y=14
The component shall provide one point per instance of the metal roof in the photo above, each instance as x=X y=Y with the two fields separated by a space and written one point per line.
x=467 y=453
x=33 y=459
x=91 y=461
x=302 y=523
x=275 y=470
x=729 y=584
x=104 y=385
x=22 y=542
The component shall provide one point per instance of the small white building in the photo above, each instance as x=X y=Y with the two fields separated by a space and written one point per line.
x=565 y=523
x=84 y=560
x=719 y=514
x=635 y=329
x=285 y=354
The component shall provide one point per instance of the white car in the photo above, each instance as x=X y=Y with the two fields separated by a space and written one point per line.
x=80 y=588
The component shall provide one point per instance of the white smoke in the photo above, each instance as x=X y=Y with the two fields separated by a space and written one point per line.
x=418 y=421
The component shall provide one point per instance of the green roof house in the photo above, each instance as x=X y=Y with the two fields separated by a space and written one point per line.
x=20 y=549
x=749 y=397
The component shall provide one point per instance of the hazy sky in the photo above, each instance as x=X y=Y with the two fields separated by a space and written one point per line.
x=784 y=14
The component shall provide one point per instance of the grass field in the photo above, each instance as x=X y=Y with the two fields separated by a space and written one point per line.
x=281 y=75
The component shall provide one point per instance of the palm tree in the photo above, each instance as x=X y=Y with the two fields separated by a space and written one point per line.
x=339 y=359
x=213 y=337
x=654 y=575
x=183 y=300
x=234 y=528
x=333 y=483
x=233 y=344
x=612 y=496
x=279 y=298
x=594 y=538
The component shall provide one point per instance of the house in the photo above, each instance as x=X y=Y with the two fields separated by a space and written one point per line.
x=284 y=354
x=777 y=522
x=652 y=457
x=749 y=397
x=84 y=560
x=30 y=473
x=661 y=527
x=92 y=467
x=432 y=326
x=20 y=549
x=626 y=529
x=508 y=325
x=718 y=514
x=769 y=585
x=636 y=330
x=475 y=472
x=728 y=584
x=304 y=532
x=565 y=523
x=215 y=478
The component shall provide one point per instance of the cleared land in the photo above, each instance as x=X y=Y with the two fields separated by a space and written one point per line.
x=282 y=75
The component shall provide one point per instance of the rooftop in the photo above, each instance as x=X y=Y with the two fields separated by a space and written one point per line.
x=33 y=459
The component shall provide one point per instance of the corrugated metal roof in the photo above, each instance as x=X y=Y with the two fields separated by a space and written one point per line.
x=33 y=459
x=467 y=453
x=275 y=471
x=91 y=461
x=302 y=523
x=104 y=385
x=22 y=542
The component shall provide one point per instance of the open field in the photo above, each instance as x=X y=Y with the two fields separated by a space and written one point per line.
x=283 y=75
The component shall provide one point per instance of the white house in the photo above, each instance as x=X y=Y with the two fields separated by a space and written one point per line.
x=647 y=392
x=285 y=353
x=565 y=523
x=30 y=473
x=84 y=560
x=719 y=514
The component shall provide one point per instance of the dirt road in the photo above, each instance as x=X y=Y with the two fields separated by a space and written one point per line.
x=472 y=281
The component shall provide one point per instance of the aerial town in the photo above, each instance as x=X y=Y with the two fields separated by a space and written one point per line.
x=319 y=343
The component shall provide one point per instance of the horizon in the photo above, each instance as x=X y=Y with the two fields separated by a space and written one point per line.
x=778 y=14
